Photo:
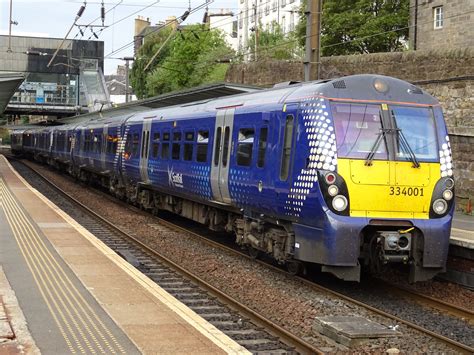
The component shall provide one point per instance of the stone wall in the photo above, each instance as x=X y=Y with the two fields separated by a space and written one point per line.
x=448 y=75
x=457 y=30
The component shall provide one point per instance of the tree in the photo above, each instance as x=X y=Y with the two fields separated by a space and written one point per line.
x=192 y=57
x=361 y=26
x=151 y=45
x=274 y=43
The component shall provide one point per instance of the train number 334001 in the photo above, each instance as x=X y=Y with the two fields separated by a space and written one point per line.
x=406 y=191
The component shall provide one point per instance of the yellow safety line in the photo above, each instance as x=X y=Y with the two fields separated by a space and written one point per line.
x=74 y=289
x=71 y=292
x=29 y=238
x=35 y=276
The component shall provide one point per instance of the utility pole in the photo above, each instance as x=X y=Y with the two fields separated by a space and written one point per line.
x=10 y=29
x=127 y=60
x=313 y=40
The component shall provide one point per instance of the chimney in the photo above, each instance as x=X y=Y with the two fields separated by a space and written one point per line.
x=141 y=24
x=174 y=24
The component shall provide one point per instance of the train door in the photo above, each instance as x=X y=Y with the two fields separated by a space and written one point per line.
x=221 y=154
x=285 y=156
x=144 y=151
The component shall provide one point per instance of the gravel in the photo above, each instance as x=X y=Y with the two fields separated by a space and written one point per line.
x=285 y=300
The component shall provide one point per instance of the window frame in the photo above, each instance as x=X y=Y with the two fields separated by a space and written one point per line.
x=262 y=151
x=285 y=159
x=239 y=143
x=438 y=17
x=198 y=144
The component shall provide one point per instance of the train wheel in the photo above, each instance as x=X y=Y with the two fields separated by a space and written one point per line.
x=253 y=253
x=294 y=267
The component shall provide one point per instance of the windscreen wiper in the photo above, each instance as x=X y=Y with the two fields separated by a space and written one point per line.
x=373 y=150
x=407 y=149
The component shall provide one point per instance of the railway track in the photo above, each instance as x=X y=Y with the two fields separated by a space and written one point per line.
x=246 y=326
x=144 y=265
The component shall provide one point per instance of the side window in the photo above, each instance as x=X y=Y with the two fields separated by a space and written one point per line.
x=98 y=143
x=202 y=144
x=87 y=142
x=115 y=140
x=142 y=152
x=262 y=146
x=225 y=149
x=156 y=144
x=287 y=143
x=188 y=146
x=165 y=146
x=176 y=145
x=136 y=138
x=245 y=146
x=128 y=145
x=218 y=145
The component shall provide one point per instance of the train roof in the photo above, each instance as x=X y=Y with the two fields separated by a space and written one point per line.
x=364 y=88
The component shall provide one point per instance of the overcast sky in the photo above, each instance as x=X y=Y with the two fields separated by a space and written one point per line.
x=53 y=18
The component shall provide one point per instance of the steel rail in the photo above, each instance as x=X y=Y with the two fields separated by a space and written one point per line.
x=459 y=347
x=452 y=309
x=300 y=345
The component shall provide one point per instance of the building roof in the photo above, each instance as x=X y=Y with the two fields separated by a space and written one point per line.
x=9 y=82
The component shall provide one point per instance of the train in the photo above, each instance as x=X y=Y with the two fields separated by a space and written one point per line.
x=348 y=174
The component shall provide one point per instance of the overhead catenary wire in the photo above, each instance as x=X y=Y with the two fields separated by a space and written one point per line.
x=109 y=55
x=78 y=16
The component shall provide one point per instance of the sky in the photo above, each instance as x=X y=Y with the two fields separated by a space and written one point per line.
x=53 y=18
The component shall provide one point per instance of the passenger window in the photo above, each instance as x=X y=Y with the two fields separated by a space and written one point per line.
x=176 y=145
x=287 y=143
x=156 y=144
x=128 y=146
x=136 y=139
x=188 y=146
x=165 y=146
x=218 y=146
x=225 y=150
x=245 y=146
x=143 y=144
x=262 y=146
x=202 y=143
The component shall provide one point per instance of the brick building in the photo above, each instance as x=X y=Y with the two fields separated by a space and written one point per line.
x=441 y=24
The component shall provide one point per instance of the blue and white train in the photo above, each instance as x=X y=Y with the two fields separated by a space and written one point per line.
x=341 y=173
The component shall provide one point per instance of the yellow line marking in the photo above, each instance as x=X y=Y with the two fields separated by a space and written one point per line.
x=188 y=315
x=35 y=276
x=84 y=302
x=42 y=248
x=30 y=238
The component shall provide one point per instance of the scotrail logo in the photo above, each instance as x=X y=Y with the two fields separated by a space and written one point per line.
x=175 y=179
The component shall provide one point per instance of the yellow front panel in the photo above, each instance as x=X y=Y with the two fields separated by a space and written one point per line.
x=389 y=189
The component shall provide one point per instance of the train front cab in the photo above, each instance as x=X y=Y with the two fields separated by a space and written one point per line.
x=393 y=186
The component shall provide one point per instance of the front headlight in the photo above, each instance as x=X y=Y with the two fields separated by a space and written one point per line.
x=333 y=190
x=447 y=195
x=339 y=203
x=440 y=206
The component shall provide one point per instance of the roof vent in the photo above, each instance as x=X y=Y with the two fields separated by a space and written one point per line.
x=415 y=90
x=340 y=84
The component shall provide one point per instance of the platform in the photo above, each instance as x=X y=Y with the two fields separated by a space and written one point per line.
x=64 y=291
x=462 y=231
